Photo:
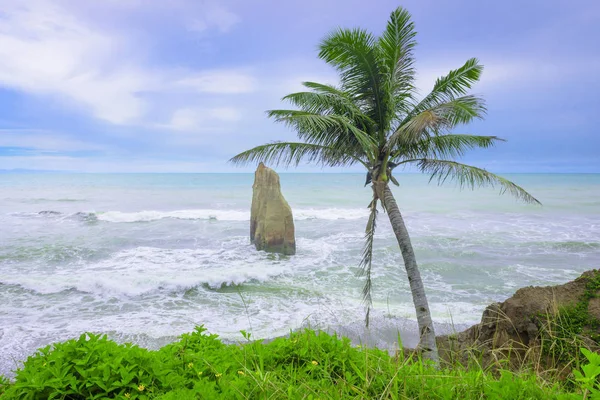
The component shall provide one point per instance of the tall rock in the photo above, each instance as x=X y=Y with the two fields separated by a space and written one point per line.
x=271 y=220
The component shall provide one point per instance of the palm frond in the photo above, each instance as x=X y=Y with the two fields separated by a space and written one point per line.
x=436 y=120
x=292 y=153
x=328 y=104
x=422 y=125
x=445 y=146
x=470 y=177
x=336 y=131
x=397 y=42
x=456 y=83
x=395 y=52
x=367 y=259
x=352 y=52
x=461 y=110
x=327 y=89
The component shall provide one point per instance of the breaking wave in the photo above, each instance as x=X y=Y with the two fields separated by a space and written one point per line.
x=227 y=215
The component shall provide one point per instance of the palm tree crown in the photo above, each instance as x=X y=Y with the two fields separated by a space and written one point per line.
x=375 y=117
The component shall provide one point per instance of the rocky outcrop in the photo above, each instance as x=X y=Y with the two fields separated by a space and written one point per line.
x=515 y=328
x=271 y=220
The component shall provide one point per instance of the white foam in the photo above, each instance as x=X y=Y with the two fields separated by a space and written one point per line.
x=331 y=213
x=141 y=270
x=146 y=216
x=454 y=312
x=228 y=215
x=144 y=269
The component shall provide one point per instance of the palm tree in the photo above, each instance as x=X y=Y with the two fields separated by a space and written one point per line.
x=375 y=118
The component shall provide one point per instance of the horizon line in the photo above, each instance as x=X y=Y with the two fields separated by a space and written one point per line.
x=23 y=171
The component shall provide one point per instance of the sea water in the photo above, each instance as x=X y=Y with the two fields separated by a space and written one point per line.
x=147 y=257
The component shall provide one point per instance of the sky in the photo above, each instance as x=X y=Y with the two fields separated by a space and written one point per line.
x=183 y=85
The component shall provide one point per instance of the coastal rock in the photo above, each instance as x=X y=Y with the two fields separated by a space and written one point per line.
x=513 y=329
x=271 y=220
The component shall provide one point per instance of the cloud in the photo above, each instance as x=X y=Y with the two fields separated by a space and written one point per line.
x=214 y=15
x=179 y=78
x=499 y=74
x=52 y=51
x=219 y=82
x=44 y=140
x=48 y=51
x=195 y=119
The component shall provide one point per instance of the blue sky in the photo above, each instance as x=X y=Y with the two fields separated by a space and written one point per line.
x=182 y=85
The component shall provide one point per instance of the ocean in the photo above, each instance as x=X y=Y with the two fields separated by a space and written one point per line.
x=147 y=257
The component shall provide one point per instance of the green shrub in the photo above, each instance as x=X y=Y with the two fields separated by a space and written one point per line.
x=305 y=365
x=4 y=383
x=563 y=334
x=588 y=379
x=91 y=367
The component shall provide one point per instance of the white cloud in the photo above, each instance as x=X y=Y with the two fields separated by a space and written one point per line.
x=52 y=51
x=45 y=50
x=508 y=73
x=197 y=119
x=219 y=81
x=214 y=15
x=224 y=114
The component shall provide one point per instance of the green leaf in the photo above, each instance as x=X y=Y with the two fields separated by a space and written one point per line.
x=292 y=153
x=367 y=259
x=447 y=88
x=471 y=177
x=444 y=146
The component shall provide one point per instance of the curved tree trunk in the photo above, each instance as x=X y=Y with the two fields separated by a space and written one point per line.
x=426 y=332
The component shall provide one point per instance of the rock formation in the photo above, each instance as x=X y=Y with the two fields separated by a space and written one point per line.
x=517 y=325
x=271 y=220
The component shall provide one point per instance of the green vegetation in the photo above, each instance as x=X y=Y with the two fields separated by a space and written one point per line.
x=376 y=118
x=571 y=328
x=306 y=365
x=4 y=383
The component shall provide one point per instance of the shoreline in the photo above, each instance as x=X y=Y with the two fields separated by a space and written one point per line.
x=382 y=334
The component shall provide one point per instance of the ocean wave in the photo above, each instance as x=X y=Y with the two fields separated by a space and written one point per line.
x=144 y=270
x=62 y=200
x=43 y=200
x=128 y=287
x=147 y=216
x=198 y=214
x=49 y=253
x=331 y=213
x=227 y=215
x=571 y=245
x=49 y=213
x=111 y=286
x=53 y=214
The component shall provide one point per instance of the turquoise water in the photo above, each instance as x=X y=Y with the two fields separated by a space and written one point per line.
x=145 y=257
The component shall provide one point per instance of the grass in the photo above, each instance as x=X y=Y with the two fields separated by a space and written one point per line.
x=305 y=365
x=571 y=328
x=551 y=349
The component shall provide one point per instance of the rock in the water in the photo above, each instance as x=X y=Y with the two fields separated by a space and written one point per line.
x=271 y=220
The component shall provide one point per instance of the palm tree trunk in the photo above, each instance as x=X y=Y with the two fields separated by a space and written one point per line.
x=427 y=343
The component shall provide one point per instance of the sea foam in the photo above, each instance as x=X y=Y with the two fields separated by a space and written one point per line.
x=227 y=215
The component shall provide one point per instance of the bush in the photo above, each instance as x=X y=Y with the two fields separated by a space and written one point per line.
x=306 y=365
